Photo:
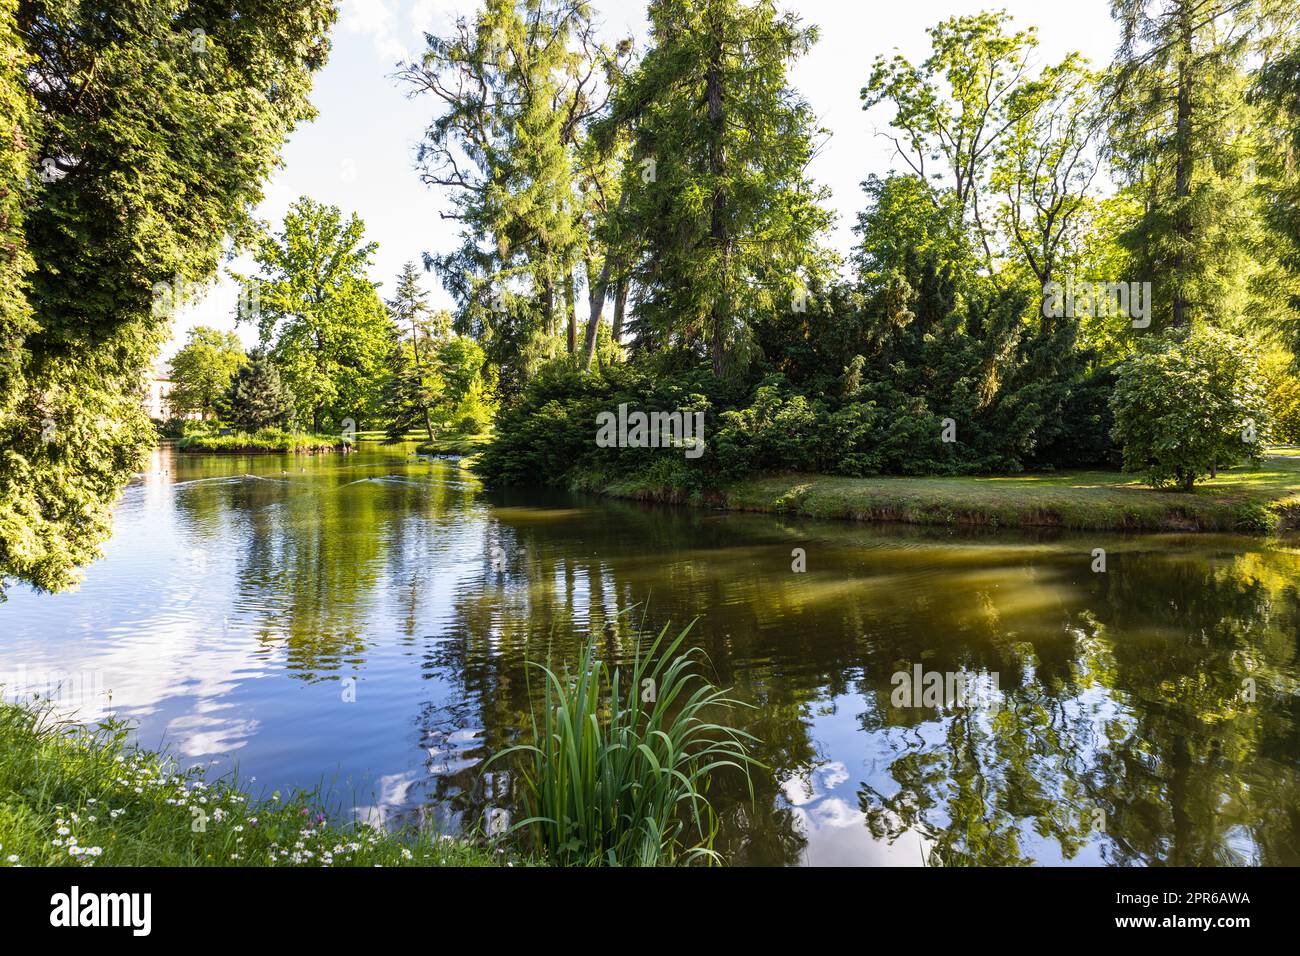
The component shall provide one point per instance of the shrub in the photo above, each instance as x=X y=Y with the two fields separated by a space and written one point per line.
x=1187 y=404
x=549 y=436
x=1283 y=398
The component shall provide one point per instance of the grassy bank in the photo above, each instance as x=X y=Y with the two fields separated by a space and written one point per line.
x=1253 y=500
x=450 y=443
x=455 y=443
x=266 y=440
x=71 y=795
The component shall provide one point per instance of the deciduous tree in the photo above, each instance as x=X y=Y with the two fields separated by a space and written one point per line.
x=202 y=369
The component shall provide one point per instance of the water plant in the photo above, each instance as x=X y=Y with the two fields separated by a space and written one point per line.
x=619 y=767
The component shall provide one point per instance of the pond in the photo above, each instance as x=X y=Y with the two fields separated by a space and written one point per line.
x=362 y=623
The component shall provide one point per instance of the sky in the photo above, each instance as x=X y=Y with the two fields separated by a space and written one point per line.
x=358 y=154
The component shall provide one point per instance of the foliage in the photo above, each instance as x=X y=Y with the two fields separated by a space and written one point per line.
x=468 y=385
x=411 y=387
x=1277 y=92
x=320 y=316
x=618 y=770
x=256 y=399
x=1283 y=398
x=17 y=123
x=1186 y=404
x=1185 y=141
x=717 y=188
x=449 y=390
x=201 y=371
x=152 y=127
x=549 y=435
x=408 y=395
x=970 y=116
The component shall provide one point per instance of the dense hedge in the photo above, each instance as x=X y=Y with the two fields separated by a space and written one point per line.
x=549 y=436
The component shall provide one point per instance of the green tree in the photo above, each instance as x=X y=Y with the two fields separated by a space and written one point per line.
x=158 y=123
x=1277 y=90
x=408 y=390
x=256 y=398
x=202 y=368
x=515 y=88
x=409 y=393
x=952 y=112
x=17 y=122
x=320 y=315
x=1044 y=165
x=717 y=188
x=462 y=367
x=1184 y=139
x=1187 y=403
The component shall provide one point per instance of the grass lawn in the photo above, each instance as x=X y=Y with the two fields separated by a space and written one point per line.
x=265 y=440
x=1247 y=499
x=446 y=443
x=455 y=443
x=71 y=795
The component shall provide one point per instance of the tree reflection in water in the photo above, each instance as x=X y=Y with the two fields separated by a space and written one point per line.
x=1124 y=736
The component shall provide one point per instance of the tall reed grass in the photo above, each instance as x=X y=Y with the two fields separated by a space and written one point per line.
x=618 y=771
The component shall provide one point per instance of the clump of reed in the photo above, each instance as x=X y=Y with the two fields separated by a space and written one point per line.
x=619 y=767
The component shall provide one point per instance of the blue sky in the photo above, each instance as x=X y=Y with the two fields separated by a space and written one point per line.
x=358 y=154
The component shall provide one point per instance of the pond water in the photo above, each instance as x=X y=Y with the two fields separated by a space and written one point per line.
x=362 y=623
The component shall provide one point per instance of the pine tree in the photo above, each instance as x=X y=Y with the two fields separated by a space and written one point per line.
x=407 y=392
x=256 y=398
x=1182 y=139
x=1277 y=90
x=410 y=392
x=717 y=185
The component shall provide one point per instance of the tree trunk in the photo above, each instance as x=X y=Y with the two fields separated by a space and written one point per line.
x=718 y=233
x=571 y=312
x=597 y=288
x=1184 y=163
x=620 y=304
x=548 y=298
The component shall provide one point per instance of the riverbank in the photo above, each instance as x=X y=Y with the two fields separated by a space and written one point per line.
x=73 y=795
x=450 y=444
x=455 y=444
x=1250 y=500
x=266 y=441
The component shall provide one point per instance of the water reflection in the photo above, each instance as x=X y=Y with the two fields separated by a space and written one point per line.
x=1145 y=715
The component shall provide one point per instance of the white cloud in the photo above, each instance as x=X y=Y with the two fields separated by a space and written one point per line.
x=376 y=19
x=431 y=15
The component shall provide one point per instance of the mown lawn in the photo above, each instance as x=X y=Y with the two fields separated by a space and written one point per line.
x=264 y=440
x=446 y=443
x=455 y=443
x=1262 y=499
x=71 y=795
